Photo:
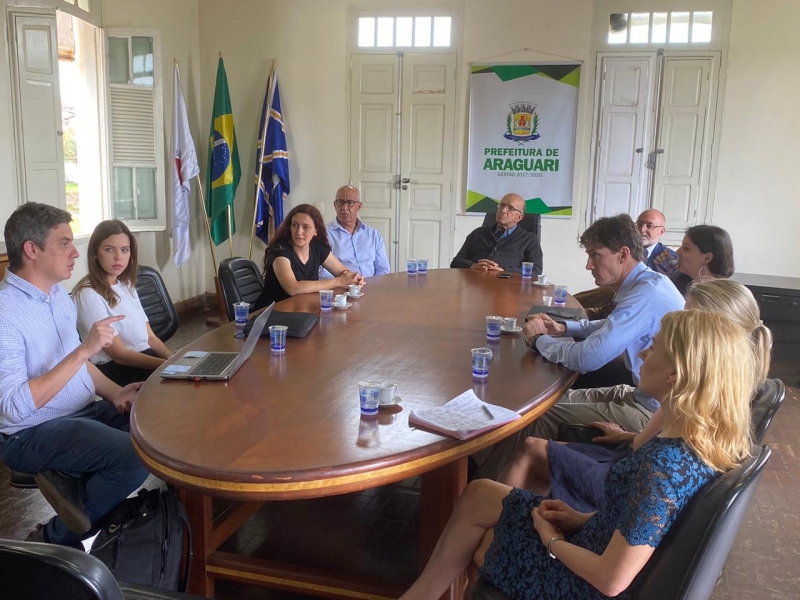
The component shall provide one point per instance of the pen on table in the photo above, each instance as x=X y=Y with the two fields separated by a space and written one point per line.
x=488 y=412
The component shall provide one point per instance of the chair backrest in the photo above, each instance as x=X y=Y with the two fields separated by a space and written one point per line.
x=529 y=222
x=764 y=405
x=43 y=571
x=240 y=280
x=156 y=303
x=689 y=560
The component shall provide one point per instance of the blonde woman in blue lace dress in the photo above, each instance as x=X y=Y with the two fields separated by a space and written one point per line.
x=701 y=369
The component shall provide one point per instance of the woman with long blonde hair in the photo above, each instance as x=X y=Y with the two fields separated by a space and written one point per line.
x=700 y=368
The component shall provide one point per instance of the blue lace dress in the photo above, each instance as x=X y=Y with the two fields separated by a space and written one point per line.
x=644 y=494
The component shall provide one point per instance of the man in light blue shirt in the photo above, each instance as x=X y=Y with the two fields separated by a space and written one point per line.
x=79 y=450
x=358 y=246
x=614 y=249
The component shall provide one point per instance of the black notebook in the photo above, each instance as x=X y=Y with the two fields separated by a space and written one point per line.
x=558 y=313
x=299 y=323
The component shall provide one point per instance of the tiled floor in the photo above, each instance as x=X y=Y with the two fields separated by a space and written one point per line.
x=375 y=532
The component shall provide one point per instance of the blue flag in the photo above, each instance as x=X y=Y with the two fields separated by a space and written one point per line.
x=271 y=154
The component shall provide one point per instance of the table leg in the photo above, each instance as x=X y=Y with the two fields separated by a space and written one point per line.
x=198 y=507
x=440 y=490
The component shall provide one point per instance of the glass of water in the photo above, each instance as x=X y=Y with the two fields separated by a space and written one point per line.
x=422 y=266
x=480 y=362
x=493 y=325
x=527 y=270
x=411 y=266
x=560 y=295
x=241 y=311
x=325 y=299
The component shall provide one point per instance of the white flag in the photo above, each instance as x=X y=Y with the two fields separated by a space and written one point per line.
x=184 y=168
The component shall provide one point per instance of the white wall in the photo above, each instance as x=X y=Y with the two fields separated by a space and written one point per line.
x=308 y=39
x=757 y=199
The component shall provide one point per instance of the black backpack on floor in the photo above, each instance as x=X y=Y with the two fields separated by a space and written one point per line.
x=141 y=540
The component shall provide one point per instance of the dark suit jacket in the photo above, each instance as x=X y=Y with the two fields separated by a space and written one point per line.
x=510 y=252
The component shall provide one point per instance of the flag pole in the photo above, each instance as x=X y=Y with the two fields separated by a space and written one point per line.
x=269 y=98
x=223 y=314
x=230 y=229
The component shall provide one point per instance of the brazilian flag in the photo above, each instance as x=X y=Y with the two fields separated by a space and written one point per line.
x=223 y=171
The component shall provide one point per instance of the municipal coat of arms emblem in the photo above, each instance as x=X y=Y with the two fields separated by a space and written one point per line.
x=522 y=123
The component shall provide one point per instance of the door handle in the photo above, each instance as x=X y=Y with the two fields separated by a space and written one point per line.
x=405 y=180
x=639 y=150
x=403 y=187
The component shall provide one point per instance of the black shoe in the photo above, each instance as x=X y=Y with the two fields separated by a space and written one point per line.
x=22 y=480
x=65 y=495
x=38 y=535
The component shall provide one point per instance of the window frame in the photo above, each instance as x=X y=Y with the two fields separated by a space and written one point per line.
x=135 y=225
x=411 y=10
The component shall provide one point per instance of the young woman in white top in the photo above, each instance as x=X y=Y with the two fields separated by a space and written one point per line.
x=110 y=289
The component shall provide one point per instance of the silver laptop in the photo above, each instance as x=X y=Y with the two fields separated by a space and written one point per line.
x=217 y=365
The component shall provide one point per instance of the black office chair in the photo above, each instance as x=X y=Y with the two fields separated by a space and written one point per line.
x=529 y=222
x=687 y=563
x=156 y=303
x=240 y=280
x=764 y=405
x=32 y=571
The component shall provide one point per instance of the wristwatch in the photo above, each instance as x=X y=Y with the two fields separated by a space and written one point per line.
x=531 y=341
x=553 y=539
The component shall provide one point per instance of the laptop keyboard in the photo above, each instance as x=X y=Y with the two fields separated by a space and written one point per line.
x=214 y=364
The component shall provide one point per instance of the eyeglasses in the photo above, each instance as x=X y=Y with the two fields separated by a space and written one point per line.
x=648 y=226
x=350 y=203
x=504 y=206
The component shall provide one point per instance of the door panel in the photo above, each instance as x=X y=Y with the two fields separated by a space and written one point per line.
x=428 y=109
x=682 y=172
x=626 y=107
x=374 y=104
x=38 y=110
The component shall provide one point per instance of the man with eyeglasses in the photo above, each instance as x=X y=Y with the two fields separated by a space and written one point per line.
x=360 y=247
x=504 y=246
x=651 y=224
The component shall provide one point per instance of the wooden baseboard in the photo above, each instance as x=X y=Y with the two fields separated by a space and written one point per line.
x=206 y=301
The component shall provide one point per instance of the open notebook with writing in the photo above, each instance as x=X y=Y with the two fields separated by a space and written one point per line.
x=465 y=416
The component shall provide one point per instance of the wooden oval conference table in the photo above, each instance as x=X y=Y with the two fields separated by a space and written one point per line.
x=289 y=426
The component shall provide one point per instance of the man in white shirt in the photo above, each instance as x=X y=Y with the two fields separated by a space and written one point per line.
x=360 y=247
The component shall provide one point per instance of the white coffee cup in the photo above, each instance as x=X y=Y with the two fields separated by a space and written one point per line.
x=547 y=300
x=541 y=280
x=340 y=300
x=510 y=324
x=387 y=393
x=355 y=290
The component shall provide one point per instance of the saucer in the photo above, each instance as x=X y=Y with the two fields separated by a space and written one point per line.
x=345 y=307
x=514 y=331
x=394 y=401
x=537 y=284
x=355 y=297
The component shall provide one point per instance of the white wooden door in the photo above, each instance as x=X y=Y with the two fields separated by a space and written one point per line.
x=38 y=110
x=402 y=118
x=626 y=107
x=426 y=159
x=686 y=127
x=374 y=118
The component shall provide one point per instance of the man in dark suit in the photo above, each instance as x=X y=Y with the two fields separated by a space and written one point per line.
x=504 y=246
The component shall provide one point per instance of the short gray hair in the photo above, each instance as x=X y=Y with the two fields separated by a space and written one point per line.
x=33 y=222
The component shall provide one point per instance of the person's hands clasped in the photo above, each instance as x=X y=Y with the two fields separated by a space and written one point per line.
x=542 y=324
x=347 y=278
x=100 y=335
x=561 y=516
x=543 y=527
x=123 y=399
x=484 y=264
x=612 y=433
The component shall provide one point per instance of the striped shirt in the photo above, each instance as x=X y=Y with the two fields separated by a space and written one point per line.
x=37 y=331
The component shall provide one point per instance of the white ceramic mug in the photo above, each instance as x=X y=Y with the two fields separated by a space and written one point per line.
x=340 y=300
x=541 y=280
x=355 y=290
x=510 y=324
x=388 y=392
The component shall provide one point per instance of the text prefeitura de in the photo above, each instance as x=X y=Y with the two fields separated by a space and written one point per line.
x=519 y=164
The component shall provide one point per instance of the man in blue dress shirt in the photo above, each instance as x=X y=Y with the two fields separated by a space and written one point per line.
x=360 y=247
x=614 y=256
x=79 y=450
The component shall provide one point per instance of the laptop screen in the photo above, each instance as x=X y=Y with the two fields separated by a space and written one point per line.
x=252 y=338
